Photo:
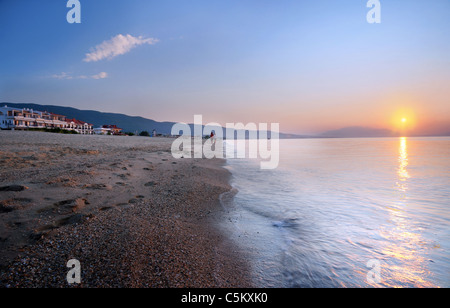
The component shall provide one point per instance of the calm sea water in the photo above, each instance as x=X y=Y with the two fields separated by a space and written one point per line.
x=333 y=205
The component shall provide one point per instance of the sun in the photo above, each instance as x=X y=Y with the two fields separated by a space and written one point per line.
x=403 y=120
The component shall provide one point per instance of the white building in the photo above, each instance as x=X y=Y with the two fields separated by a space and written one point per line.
x=79 y=126
x=102 y=131
x=6 y=118
x=108 y=130
x=16 y=118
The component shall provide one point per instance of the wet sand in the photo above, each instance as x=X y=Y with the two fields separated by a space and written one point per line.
x=123 y=206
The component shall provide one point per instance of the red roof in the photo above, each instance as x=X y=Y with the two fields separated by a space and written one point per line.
x=58 y=115
x=111 y=126
x=78 y=122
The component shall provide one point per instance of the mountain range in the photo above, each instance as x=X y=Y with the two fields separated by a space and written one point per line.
x=97 y=118
x=358 y=132
x=127 y=123
x=138 y=124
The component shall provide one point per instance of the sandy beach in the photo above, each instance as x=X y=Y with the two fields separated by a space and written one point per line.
x=123 y=206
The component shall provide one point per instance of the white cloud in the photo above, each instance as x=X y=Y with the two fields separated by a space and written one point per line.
x=118 y=45
x=101 y=75
x=67 y=76
x=62 y=76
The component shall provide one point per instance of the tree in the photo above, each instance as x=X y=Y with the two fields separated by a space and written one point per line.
x=144 y=134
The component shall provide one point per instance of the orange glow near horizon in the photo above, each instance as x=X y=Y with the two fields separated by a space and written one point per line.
x=403 y=121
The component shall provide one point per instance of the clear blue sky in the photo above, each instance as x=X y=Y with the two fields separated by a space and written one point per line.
x=309 y=65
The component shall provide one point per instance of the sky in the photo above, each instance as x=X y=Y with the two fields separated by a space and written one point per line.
x=311 y=66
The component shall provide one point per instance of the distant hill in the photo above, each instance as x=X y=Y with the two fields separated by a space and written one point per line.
x=97 y=118
x=127 y=123
x=358 y=132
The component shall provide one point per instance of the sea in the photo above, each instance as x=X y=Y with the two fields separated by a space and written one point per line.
x=371 y=212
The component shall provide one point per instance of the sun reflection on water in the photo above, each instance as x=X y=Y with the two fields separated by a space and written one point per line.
x=403 y=174
x=404 y=266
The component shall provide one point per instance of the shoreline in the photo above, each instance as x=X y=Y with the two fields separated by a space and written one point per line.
x=158 y=227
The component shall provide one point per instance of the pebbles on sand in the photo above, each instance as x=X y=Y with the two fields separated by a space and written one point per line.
x=165 y=237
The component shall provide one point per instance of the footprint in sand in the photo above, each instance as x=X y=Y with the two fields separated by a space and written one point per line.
x=73 y=205
x=41 y=232
x=5 y=209
x=98 y=186
x=106 y=208
x=67 y=206
x=9 y=205
x=13 y=188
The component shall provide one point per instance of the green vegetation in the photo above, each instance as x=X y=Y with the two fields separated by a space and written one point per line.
x=55 y=130
x=144 y=134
